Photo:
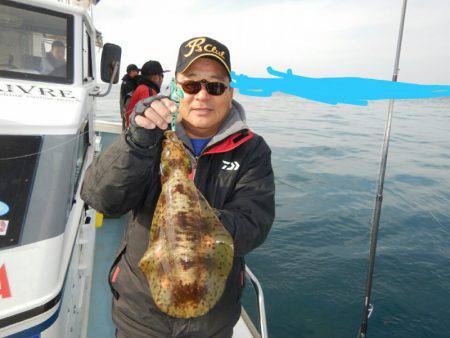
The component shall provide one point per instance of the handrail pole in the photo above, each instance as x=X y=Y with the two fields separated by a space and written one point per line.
x=262 y=309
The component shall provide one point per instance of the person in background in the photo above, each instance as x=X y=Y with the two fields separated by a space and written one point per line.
x=231 y=167
x=129 y=84
x=54 y=61
x=149 y=84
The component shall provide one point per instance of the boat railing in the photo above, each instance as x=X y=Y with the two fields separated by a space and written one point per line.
x=260 y=296
x=107 y=126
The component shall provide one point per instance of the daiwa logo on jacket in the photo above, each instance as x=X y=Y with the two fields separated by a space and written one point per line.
x=230 y=165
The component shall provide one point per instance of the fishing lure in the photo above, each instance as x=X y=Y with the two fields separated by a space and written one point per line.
x=176 y=95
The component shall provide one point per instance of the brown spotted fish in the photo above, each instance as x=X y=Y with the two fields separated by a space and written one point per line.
x=190 y=253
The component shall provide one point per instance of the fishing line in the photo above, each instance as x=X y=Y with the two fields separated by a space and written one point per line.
x=420 y=207
x=279 y=180
x=46 y=150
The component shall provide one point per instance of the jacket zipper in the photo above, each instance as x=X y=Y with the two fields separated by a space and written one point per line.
x=194 y=168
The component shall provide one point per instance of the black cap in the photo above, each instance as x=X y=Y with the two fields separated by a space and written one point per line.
x=58 y=44
x=132 y=67
x=152 y=68
x=195 y=48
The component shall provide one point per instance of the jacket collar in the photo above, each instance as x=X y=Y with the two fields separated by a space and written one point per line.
x=234 y=123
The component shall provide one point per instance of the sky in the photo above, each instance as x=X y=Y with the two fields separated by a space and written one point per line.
x=314 y=38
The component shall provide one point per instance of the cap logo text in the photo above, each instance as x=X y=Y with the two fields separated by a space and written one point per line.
x=196 y=45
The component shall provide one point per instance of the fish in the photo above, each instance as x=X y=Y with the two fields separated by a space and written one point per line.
x=190 y=253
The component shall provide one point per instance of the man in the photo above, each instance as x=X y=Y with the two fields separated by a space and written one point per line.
x=125 y=177
x=149 y=84
x=54 y=62
x=127 y=88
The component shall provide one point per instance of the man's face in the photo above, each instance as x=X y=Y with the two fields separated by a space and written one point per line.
x=58 y=52
x=203 y=113
x=133 y=73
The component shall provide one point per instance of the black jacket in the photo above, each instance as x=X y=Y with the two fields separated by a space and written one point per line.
x=234 y=173
x=127 y=88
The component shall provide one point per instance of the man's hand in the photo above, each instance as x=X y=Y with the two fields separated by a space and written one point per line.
x=156 y=113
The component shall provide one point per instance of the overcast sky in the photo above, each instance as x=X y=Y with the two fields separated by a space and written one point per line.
x=317 y=38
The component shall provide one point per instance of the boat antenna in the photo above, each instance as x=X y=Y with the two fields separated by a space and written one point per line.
x=368 y=307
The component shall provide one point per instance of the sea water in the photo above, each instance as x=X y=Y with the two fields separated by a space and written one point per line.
x=313 y=265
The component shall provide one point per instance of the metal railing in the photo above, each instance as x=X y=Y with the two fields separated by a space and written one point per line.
x=261 y=306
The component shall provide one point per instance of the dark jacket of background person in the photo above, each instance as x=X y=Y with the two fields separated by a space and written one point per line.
x=145 y=88
x=125 y=177
x=127 y=89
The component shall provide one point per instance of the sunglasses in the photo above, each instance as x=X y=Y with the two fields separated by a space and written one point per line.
x=212 y=88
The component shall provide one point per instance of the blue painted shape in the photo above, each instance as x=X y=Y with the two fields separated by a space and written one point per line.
x=348 y=90
x=35 y=331
x=4 y=208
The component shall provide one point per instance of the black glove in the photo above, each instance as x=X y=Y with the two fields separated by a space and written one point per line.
x=142 y=137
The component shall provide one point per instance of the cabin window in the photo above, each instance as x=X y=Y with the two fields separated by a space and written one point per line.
x=35 y=43
x=87 y=55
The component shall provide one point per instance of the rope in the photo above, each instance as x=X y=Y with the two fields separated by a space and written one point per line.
x=44 y=151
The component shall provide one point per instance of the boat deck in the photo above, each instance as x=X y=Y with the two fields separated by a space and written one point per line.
x=107 y=240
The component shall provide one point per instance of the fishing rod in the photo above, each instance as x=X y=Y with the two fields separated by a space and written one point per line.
x=368 y=307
